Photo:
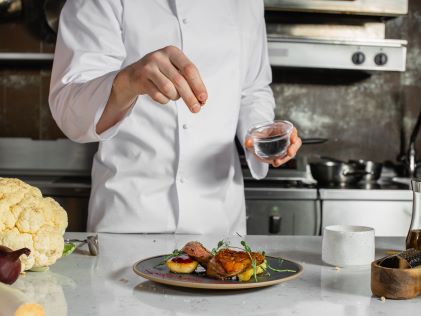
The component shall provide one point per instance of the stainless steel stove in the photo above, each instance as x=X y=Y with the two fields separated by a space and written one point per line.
x=289 y=202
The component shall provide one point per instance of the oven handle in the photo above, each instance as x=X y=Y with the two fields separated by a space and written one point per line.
x=275 y=222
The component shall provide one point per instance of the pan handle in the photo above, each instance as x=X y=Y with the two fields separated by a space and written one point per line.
x=313 y=141
x=357 y=173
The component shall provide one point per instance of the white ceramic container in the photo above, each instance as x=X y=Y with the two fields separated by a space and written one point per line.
x=345 y=246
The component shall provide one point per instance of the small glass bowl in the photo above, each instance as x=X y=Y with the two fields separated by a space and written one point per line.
x=271 y=139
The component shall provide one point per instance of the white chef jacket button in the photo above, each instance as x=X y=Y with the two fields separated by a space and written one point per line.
x=181 y=180
x=185 y=126
x=185 y=20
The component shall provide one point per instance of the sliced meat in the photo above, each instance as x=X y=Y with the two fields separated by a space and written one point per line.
x=198 y=252
x=228 y=263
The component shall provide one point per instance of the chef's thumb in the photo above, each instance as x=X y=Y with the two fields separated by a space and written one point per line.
x=248 y=143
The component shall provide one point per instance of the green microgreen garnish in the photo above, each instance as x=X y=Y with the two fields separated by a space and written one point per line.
x=221 y=245
x=281 y=261
x=253 y=260
x=279 y=270
x=174 y=254
x=246 y=246
x=268 y=266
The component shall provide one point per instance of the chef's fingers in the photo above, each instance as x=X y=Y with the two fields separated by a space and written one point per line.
x=181 y=85
x=296 y=143
x=154 y=93
x=189 y=72
x=280 y=161
x=294 y=136
x=293 y=149
x=165 y=86
x=248 y=143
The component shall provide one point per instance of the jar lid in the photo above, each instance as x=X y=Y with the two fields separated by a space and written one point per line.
x=416 y=184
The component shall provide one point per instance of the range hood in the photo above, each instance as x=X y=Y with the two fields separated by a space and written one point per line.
x=358 y=7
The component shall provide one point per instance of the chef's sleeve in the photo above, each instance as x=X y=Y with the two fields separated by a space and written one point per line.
x=257 y=102
x=89 y=53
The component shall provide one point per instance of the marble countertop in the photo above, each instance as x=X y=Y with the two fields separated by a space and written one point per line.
x=81 y=284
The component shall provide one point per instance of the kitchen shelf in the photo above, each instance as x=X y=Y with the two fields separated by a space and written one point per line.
x=26 y=57
x=26 y=60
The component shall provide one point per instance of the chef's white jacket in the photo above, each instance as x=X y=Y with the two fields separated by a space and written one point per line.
x=163 y=168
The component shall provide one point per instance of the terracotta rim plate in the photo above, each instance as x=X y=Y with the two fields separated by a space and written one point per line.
x=150 y=269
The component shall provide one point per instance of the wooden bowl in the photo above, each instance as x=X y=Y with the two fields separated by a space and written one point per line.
x=395 y=283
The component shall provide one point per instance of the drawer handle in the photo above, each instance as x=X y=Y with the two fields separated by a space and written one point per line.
x=275 y=224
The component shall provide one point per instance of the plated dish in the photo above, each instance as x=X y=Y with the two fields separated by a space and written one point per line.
x=224 y=267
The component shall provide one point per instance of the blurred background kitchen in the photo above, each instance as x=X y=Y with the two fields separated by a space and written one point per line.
x=347 y=73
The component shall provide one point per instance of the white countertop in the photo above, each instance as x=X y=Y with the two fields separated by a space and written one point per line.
x=106 y=285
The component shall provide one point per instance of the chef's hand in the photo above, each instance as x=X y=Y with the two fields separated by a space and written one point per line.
x=291 y=152
x=165 y=74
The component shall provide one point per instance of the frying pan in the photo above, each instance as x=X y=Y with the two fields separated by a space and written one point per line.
x=313 y=141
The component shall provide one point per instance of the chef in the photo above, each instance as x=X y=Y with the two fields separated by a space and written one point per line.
x=165 y=86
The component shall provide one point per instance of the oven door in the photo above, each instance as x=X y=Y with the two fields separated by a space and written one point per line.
x=282 y=211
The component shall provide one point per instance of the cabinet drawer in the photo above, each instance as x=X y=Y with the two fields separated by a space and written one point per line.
x=283 y=217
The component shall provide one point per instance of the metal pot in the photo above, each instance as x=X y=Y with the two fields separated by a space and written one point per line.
x=336 y=172
x=373 y=169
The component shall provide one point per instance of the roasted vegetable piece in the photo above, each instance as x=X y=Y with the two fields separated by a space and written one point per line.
x=246 y=275
x=182 y=264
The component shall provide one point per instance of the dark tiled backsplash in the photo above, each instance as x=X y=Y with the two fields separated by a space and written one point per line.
x=24 y=110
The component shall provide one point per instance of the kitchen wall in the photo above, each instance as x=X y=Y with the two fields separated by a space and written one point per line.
x=364 y=116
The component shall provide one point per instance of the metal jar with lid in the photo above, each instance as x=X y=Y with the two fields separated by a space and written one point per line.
x=413 y=240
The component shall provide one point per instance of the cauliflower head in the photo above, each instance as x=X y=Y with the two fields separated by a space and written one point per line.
x=27 y=219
